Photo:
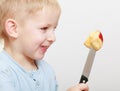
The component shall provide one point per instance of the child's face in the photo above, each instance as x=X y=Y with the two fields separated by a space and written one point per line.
x=37 y=34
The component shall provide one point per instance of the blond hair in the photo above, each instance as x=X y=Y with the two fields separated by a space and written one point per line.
x=20 y=9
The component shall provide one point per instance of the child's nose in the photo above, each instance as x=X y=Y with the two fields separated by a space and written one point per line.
x=51 y=37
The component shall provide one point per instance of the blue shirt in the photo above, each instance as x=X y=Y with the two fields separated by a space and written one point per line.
x=14 y=78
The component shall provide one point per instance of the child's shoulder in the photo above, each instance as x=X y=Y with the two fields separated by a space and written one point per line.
x=3 y=64
x=5 y=71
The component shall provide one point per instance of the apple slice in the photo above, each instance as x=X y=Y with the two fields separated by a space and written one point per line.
x=94 y=41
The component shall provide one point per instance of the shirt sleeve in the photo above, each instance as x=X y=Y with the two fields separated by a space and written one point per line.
x=6 y=82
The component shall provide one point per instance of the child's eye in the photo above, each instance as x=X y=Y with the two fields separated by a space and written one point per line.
x=44 y=28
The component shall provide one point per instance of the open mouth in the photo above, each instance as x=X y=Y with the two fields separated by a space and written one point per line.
x=44 y=48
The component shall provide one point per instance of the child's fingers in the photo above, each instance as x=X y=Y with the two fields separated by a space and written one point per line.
x=79 y=87
x=83 y=87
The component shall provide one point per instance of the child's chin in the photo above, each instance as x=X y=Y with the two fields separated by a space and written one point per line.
x=39 y=58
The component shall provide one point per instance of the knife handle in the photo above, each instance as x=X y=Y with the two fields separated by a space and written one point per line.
x=83 y=79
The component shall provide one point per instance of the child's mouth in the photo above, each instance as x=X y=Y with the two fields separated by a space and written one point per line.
x=44 y=49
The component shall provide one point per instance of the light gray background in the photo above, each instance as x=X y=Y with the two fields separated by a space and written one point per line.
x=68 y=54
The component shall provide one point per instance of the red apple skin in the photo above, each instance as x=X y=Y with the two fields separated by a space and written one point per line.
x=101 y=36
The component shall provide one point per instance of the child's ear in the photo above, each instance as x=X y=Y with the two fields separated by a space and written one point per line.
x=11 y=28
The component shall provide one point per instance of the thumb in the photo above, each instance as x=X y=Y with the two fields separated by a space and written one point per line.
x=83 y=87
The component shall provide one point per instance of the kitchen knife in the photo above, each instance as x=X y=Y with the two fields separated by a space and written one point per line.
x=94 y=42
x=88 y=66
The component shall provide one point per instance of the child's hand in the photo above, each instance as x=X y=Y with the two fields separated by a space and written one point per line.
x=79 y=87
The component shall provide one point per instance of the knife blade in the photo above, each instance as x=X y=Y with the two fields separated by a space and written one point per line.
x=88 y=66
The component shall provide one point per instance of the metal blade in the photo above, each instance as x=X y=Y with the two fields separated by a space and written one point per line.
x=88 y=66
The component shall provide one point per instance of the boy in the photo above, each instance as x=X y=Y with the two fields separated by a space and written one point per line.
x=27 y=27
